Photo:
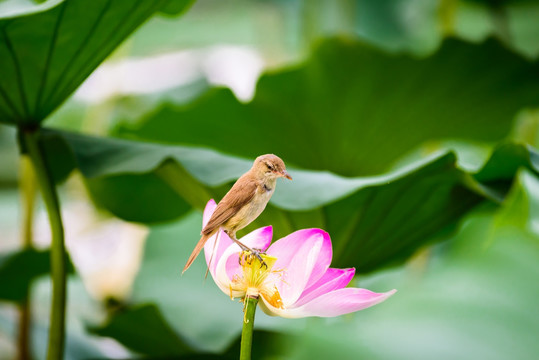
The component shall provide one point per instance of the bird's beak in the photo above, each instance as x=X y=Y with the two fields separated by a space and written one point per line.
x=286 y=175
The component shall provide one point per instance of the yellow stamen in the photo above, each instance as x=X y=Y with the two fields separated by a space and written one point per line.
x=274 y=298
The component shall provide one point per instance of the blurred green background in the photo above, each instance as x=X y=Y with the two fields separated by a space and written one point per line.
x=410 y=129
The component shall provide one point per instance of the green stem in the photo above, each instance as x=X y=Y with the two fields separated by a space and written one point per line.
x=23 y=339
x=248 y=325
x=58 y=255
x=28 y=187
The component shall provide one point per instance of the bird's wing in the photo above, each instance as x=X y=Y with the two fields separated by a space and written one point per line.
x=240 y=195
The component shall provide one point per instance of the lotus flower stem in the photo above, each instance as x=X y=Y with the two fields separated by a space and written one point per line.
x=248 y=325
x=58 y=254
x=28 y=186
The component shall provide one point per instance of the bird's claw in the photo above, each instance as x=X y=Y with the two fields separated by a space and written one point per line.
x=254 y=253
x=257 y=252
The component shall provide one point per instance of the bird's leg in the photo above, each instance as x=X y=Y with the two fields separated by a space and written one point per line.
x=232 y=236
x=255 y=252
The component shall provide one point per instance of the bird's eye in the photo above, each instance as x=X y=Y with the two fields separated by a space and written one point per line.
x=269 y=166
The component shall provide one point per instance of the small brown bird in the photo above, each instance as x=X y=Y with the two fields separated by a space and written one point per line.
x=243 y=202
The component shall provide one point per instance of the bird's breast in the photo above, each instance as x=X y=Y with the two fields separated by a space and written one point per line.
x=253 y=209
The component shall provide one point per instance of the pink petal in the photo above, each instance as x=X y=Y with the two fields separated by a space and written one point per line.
x=338 y=302
x=213 y=251
x=304 y=256
x=259 y=238
x=233 y=267
x=256 y=239
x=332 y=280
x=208 y=212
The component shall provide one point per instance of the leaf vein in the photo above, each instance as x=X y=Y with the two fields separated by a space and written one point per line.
x=69 y=65
x=49 y=57
x=18 y=73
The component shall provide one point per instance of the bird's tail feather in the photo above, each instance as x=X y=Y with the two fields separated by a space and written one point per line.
x=198 y=248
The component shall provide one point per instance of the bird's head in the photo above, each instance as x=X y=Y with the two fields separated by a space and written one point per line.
x=270 y=166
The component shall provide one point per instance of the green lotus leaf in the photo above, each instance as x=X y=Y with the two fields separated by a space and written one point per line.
x=47 y=51
x=18 y=269
x=354 y=110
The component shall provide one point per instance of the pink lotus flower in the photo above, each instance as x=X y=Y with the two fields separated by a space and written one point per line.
x=297 y=281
